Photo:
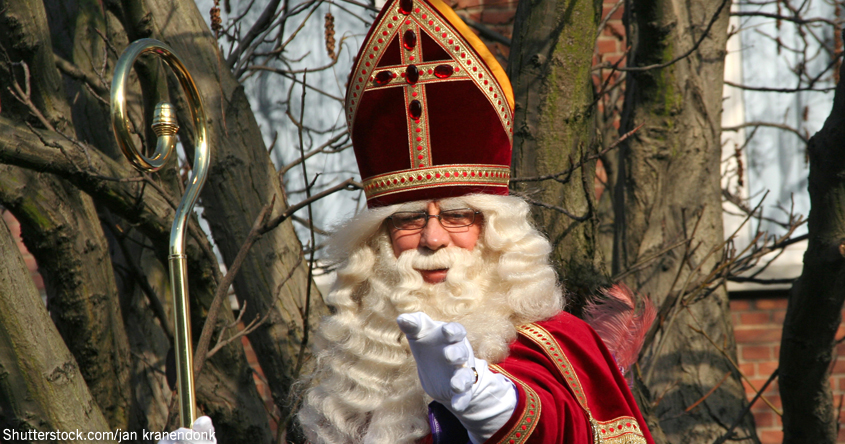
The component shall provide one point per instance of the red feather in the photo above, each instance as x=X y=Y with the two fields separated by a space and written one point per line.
x=617 y=322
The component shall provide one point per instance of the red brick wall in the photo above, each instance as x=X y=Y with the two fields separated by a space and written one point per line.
x=757 y=327
x=496 y=15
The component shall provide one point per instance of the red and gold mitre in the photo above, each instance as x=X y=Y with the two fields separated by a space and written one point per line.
x=429 y=108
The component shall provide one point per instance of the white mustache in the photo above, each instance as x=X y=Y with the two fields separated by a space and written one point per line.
x=437 y=260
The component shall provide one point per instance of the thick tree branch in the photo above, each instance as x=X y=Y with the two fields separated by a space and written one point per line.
x=75 y=73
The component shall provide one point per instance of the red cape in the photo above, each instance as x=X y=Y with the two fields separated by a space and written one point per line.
x=569 y=387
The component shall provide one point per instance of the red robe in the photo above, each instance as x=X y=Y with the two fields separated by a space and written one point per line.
x=569 y=388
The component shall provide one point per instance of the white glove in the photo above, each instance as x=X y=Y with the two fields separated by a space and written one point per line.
x=201 y=433
x=445 y=365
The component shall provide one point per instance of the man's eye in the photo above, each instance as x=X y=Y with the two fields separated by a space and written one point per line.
x=408 y=219
x=457 y=217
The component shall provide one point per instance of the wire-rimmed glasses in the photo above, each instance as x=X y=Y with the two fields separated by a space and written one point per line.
x=417 y=220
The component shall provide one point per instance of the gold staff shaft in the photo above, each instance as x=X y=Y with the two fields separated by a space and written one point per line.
x=165 y=127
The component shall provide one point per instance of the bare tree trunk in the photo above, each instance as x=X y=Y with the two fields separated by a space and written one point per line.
x=41 y=388
x=668 y=190
x=60 y=224
x=815 y=303
x=61 y=229
x=549 y=66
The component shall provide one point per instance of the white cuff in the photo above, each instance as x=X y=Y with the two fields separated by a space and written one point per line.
x=493 y=402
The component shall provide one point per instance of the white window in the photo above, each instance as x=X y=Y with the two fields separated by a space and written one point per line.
x=789 y=71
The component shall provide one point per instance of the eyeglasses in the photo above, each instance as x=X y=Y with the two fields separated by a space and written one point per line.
x=417 y=220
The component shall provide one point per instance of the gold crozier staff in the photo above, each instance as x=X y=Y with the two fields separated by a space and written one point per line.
x=165 y=127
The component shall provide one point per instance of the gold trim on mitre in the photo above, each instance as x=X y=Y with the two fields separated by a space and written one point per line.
x=437 y=176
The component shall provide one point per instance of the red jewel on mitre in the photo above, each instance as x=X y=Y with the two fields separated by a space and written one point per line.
x=429 y=108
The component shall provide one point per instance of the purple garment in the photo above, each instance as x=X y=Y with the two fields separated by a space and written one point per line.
x=445 y=427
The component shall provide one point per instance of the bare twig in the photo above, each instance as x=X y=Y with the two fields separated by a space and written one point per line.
x=322 y=148
x=305 y=315
x=485 y=31
x=76 y=73
x=782 y=126
x=305 y=312
x=108 y=43
x=24 y=96
x=141 y=279
x=797 y=19
x=291 y=77
x=606 y=18
x=736 y=367
x=778 y=90
x=306 y=223
x=249 y=328
x=670 y=304
x=707 y=395
x=201 y=353
x=641 y=263
x=730 y=432
x=551 y=207
x=262 y=24
x=348 y=184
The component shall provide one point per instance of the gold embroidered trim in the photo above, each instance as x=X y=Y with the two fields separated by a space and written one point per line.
x=544 y=339
x=419 y=136
x=438 y=176
x=419 y=146
x=426 y=75
x=530 y=415
x=463 y=54
x=622 y=430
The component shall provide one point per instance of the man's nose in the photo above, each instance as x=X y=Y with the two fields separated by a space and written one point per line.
x=434 y=236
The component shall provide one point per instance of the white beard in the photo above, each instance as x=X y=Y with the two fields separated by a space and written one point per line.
x=469 y=295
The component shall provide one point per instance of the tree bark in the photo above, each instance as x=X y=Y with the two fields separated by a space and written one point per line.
x=150 y=333
x=668 y=190
x=815 y=302
x=41 y=388
x=550 y=60
x=61 y=229
x=60 y=224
